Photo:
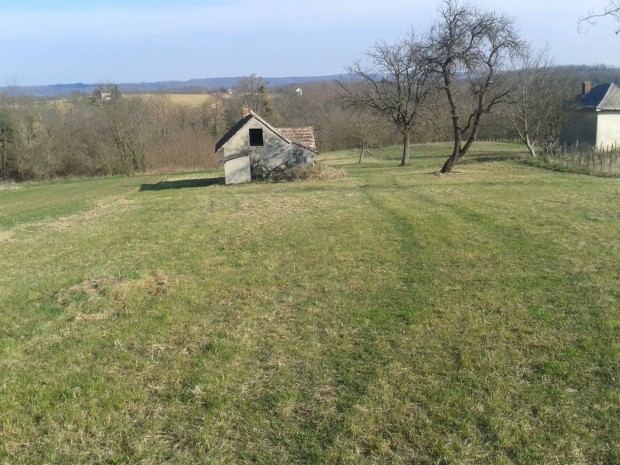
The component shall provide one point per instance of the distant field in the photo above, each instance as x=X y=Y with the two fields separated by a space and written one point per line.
x=391 y=317
x=181 y=99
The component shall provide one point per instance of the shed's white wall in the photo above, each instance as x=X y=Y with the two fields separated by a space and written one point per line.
x=608 y=129
x=237 y=170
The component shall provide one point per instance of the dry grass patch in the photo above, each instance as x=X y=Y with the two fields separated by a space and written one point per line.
x=6 y=236
x=102 y=297
x=10 y=186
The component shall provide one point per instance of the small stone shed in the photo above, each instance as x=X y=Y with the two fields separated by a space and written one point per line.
x=593 y=119
x=253 y=149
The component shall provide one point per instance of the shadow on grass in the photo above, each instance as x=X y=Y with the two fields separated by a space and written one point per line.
x=480 y=158
x=183 y=184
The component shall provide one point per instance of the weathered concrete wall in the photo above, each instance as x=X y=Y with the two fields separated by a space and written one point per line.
x=579 y=126
x=608 y=130
x=274 y=154
x=237 y=170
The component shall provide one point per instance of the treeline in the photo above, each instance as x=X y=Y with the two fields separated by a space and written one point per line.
x=88 y=135
x=95 y=137
x=109 y=134
x=596 y=74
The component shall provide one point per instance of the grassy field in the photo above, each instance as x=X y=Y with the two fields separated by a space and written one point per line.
x=394 y=316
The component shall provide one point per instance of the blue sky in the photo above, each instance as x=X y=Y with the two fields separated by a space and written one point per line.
x=68 y=41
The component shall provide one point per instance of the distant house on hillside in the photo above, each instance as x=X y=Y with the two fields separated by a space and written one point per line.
x=253 y=149
x=593 y=120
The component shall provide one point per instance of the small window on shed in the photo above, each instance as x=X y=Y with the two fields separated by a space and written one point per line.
x=256 y=137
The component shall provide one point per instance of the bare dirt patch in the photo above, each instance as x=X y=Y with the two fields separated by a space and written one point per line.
x=102 y=297
x=6 y=236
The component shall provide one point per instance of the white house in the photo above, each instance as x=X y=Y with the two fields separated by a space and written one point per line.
x=594 y=119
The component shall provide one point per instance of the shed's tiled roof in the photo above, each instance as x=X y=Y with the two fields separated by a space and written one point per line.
x=602 y=97
x=303 y=136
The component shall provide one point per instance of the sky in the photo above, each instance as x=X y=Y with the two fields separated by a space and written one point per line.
x=95 y=41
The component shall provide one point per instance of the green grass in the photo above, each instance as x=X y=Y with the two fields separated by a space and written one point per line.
x=394 y=316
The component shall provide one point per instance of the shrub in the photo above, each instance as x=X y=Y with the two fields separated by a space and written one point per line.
x=305 y=172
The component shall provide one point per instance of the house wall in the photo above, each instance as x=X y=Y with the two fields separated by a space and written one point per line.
x=608 y=129
x=273 y=154
x=237 y=170
x=579 y=126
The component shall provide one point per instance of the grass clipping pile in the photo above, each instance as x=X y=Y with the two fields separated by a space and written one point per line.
x=317 y=171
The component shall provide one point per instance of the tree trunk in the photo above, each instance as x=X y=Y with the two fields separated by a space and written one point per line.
x=450 y=162
x=4 y=157
x=405 y=160
x=530 y=146
x=362 y=152
x=456 y=152
x=459 y=150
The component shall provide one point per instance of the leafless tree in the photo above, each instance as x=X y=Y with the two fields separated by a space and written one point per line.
x=295 y=109
x=188 y=144
x=7 y=138
x=252 y=92
x=162 y=105
x=395 y=85
x=534 y=98
x=612 y=10
x=365 y=129
x=468 y=49
x=212 y=113
x=19 y=137
x=125 y=122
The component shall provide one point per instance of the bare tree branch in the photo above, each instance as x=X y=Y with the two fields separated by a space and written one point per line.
x=468 y=49
x=394 y=85
x=612 y=10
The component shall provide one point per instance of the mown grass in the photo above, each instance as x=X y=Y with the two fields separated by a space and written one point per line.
x=393 y=316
